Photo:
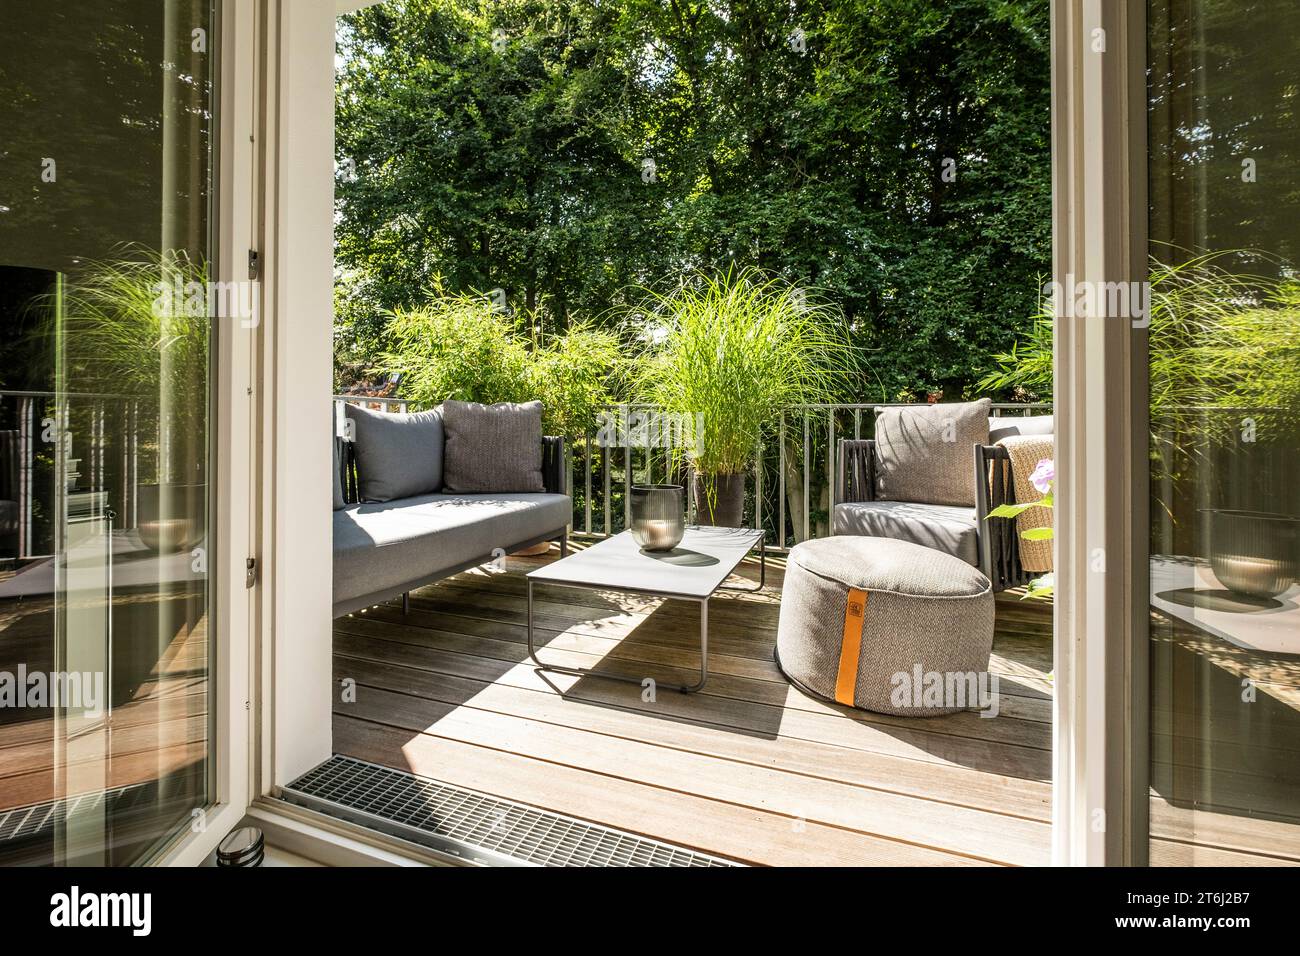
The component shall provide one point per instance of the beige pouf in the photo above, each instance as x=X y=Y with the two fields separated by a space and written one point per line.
x=885 y=625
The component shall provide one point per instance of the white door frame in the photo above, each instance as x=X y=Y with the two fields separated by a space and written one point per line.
x=1099 y=226
x=1099 y=156
x=296 y=377
x=271 y=487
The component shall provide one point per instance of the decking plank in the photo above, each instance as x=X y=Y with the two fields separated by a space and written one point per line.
x=994 y=838
x=448 y=692
x=858 y=731
x=623 y=718
x=735 y=832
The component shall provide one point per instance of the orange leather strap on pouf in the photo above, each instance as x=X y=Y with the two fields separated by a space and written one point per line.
x=846 y=679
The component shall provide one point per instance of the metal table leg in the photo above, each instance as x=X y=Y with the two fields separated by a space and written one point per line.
x=762 y=570
x=704 y=649
x=588 y=672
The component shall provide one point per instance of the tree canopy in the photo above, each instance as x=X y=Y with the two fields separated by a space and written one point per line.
x=891 y=154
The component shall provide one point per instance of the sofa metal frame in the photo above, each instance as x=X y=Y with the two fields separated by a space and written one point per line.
x=553 y=481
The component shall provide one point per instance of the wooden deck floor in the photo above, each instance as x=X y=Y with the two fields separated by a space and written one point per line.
x=750 y=768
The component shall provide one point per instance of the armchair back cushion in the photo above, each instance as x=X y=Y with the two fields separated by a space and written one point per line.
x=923 y=453
x=398 y=455
x=493 y=448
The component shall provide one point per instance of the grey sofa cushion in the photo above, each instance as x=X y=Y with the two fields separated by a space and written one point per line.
x=924 y=453
x=1009 y=425
x=398 y=455
x=379 y=547
x=493 y=448
x=948 y=528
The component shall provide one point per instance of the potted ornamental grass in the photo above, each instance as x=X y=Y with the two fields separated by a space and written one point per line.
x=728 y=352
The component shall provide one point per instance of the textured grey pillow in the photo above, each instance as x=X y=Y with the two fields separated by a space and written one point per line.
x=398 y=455
x=923 y=453
x=493 y=448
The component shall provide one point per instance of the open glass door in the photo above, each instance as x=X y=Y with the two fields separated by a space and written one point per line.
x=1225 y=432
x=106 y=318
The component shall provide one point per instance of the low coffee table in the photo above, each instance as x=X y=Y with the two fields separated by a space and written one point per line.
x=692 y=571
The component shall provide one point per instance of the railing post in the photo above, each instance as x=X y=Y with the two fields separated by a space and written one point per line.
x=566 y=469
x=807 y=477
x=25 y=424
x=780 y=479
x=627 y=483
x=608 y=498
x=830 y=462
x=586 y=481
x=134 y=484
x=125 y=471
x=758 y=487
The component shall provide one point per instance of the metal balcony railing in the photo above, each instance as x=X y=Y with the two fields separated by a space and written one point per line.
x=106 y=443
x=797 y=453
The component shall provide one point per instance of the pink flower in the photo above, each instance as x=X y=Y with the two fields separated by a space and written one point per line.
x=1043 y=476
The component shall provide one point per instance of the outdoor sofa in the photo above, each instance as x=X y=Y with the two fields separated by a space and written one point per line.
x=423 y=496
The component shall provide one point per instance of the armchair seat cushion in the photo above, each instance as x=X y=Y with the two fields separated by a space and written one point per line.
x=949 y=528
x=381 y=546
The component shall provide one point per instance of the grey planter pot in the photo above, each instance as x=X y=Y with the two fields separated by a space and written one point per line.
x=1255 y=553
x=719 y=500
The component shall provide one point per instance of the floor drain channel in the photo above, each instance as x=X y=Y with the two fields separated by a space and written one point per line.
x=472 y=825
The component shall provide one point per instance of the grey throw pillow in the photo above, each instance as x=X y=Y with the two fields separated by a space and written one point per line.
x=493 y=448
x=924 y=453
x=398 y=455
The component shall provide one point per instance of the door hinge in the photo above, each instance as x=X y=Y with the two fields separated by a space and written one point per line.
x=254 y=264
x=250 y=572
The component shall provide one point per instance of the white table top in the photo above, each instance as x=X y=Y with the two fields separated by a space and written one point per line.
x=1187 y=589
x=693 y=569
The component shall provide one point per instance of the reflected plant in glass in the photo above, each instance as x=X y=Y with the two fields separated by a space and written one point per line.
x=138 y=326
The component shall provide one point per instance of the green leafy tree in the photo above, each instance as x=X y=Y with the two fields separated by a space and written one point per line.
x=893 y=154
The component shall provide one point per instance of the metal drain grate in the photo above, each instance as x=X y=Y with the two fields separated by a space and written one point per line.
x=473 y=825
x=38 y=820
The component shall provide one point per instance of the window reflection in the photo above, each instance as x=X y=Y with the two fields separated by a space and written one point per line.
x=104 y=193
x=1225 y=432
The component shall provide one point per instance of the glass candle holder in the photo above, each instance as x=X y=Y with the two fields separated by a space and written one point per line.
x=658 y=521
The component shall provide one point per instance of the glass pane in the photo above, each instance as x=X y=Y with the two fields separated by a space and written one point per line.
x=105 y=664
x=1225 y=431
